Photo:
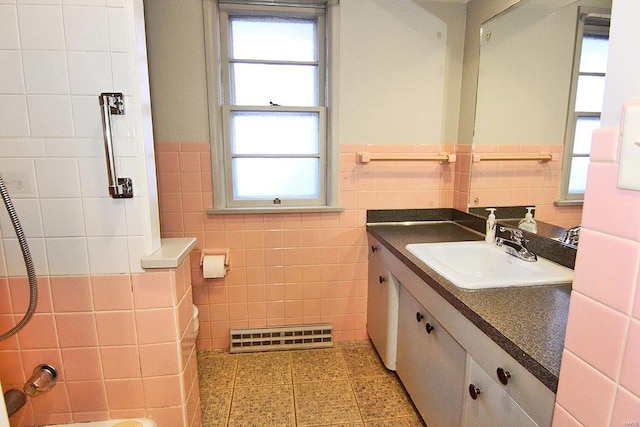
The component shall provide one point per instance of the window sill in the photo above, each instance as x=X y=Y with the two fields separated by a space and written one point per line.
x=561 y=203
x=266 y=210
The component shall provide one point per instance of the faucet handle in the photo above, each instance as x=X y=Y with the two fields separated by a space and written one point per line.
x=516 y=235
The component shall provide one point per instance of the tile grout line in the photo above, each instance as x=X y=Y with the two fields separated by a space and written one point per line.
x=350 y=379
x=293 y=393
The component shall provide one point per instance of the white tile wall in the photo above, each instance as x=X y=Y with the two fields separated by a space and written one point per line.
x=14 y=119
x=108 y=255
x=38 y=1
x=62 y=217
x=45 y=72
x=104 y=217
x=15 y=262
x=41 y=27
x=86 y=117
x=3 y=264
x=56 y=56
x=9 y=38
x=93 y=177
x=85 y=2
x=118 y=35
x=67 y=256
x=90 y=72
x=58 y=177
x=11 y=71
x=21 y=148
x=50 y=115
x=28 y=211
x=120 y=69
x=86 y=28
x=116 y=3
x=74 y=147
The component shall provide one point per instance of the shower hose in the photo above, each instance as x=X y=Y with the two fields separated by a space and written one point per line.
x=28 y=262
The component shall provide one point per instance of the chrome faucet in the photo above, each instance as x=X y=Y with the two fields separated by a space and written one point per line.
x=572 y=235
x=516 y=245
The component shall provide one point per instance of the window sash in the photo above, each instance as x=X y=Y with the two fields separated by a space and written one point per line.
x=233 y=201
x=219 y=98
x=226 y=59
x=586 y=26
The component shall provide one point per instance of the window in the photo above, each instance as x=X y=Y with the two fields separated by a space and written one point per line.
x=590 y=67
x=268 y=99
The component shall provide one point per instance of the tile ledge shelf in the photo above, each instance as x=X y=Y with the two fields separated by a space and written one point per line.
x=171 y=253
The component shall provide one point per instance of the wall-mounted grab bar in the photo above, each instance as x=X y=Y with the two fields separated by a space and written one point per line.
x=113 y=103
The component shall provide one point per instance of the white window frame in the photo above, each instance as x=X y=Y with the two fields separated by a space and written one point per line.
x=583 y=29
x=218 y=84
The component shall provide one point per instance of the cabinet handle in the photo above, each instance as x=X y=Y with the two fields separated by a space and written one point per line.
x=419 y=317
x=374 y=248
x=503 y=376
x=429 y=327
x=381 y=279
x=474 y=391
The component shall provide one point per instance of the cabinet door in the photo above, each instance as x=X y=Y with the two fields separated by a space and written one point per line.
x=430 y=364
x=492 y=406
x=382 y=307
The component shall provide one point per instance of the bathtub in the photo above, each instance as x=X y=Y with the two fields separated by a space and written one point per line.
x=137 y=422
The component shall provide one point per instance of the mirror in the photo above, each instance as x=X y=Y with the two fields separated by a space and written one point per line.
x=523 y=97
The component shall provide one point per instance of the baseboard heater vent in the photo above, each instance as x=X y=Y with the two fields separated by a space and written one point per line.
x=316 y=335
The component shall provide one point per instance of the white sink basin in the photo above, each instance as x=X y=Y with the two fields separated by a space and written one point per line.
x=479 y=265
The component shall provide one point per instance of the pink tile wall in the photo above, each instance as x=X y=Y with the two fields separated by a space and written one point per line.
x=291 y=268
x=462 y=180
x=522 y=183
x=123 y=346
x=599 y=376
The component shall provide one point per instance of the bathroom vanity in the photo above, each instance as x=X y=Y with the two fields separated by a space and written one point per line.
x=466 y=357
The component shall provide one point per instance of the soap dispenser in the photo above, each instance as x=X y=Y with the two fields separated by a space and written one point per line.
x=490 y=235
x=528 y=223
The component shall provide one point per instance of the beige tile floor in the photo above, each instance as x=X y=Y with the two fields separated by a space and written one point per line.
x=344 y=386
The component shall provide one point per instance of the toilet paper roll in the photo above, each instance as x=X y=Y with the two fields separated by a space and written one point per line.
x=213 y=266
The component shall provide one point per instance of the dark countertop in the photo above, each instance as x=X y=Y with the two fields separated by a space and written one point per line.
x=529 y=322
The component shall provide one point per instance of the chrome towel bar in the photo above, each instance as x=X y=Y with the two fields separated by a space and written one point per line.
x=113 y=104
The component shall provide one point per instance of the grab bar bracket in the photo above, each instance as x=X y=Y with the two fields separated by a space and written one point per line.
x=115 y=102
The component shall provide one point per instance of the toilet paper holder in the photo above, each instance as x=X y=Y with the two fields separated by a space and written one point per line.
x=225 y=252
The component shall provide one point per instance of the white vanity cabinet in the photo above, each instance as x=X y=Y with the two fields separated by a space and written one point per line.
x=487 y=402
x=430 y=363
x=382 y=305
x=437 y=368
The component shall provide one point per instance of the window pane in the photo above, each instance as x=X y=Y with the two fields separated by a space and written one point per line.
x=259 y=84
x=578 y=176
x=272 y=38
x=590 y=93
x=593 y=57
x=271 y=178
x=584 y=131
x=274 y=133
